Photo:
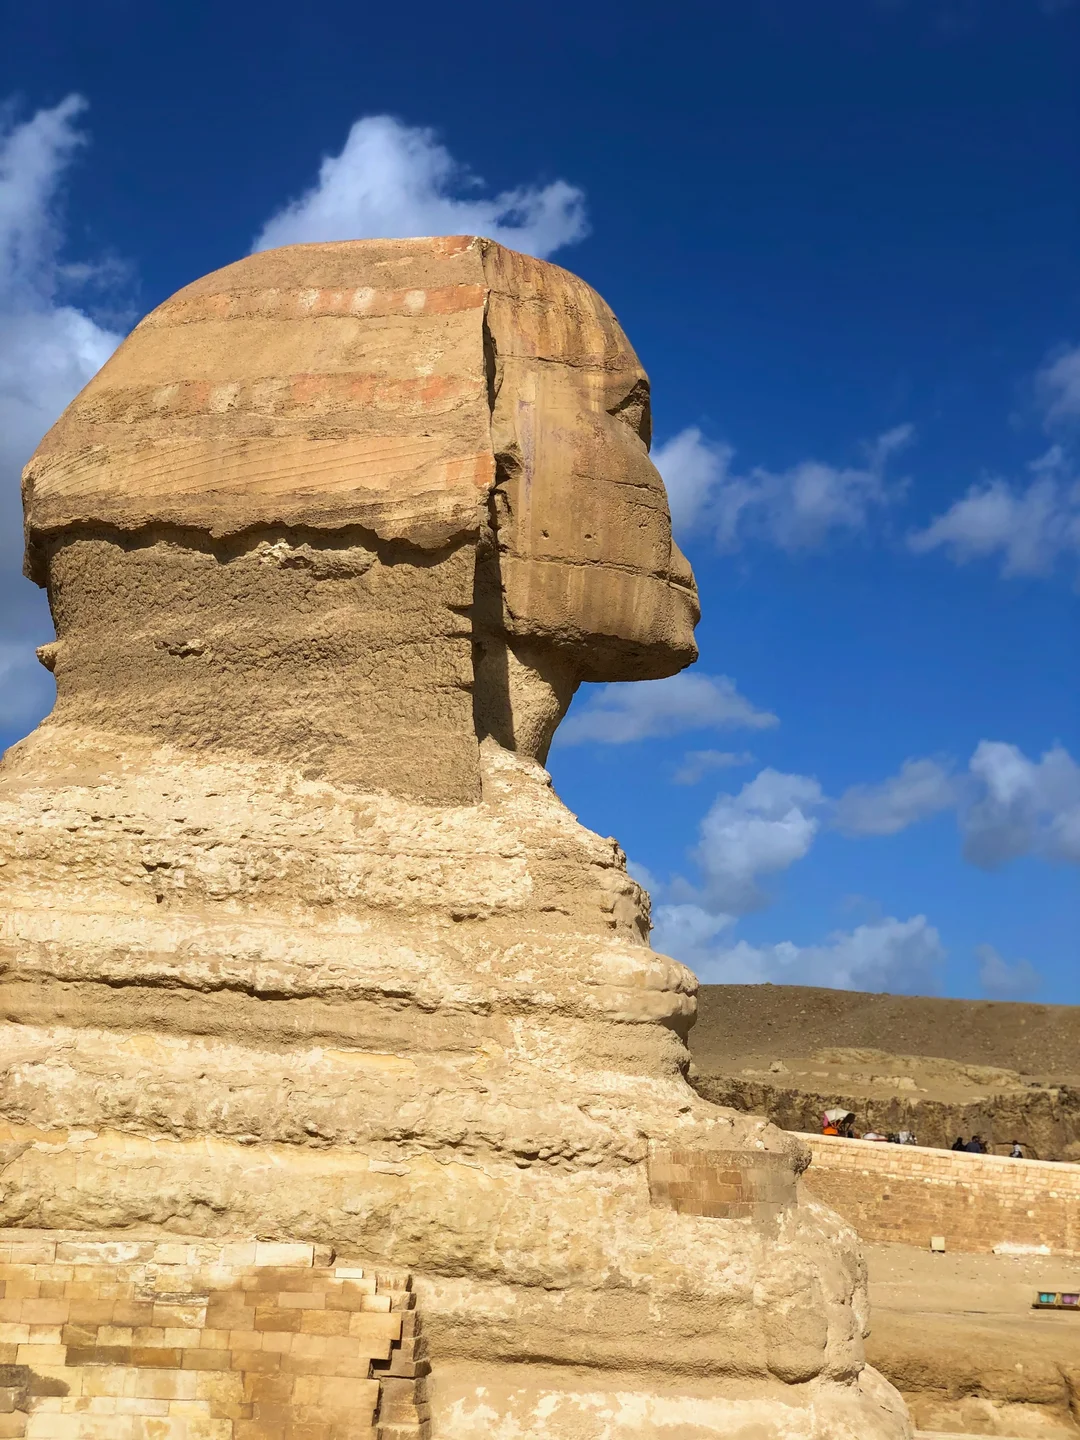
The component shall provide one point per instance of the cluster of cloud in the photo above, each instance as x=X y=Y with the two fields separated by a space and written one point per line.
x=1030 y=527
x=919 y=789
x=1007 y=805
x=1022 y=806
x=1002 y=980
x=761 y=831
x=49 y=349
x=1058 y=386
x=794 y=509
x=769 y=825
x=619 y=713
x=754 y=834
x=745 y=838
x=392 y=179
x=696 y=764
x=902 y=956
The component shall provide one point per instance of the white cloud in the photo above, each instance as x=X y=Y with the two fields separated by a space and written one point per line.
x=795 y=509
x=760 y=831
x=1023 y=806
x=1007 y=805
x=743 y=838
x=902 y=956
x=645 y=878
x=694 y=470
x=768 y=826
x=1058 y=385
x=687 y=932
x=396 y=180
x=638 y=710
x=1031 y=527
x=1001 y=980
x=922 y=788
x=696 y=764
x=48 y=351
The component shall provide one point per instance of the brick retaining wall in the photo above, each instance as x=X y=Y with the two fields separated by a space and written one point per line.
x=116 y=1338
x=907 y=1193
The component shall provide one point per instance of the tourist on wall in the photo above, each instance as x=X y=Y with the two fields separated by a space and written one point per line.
x=838 y=1122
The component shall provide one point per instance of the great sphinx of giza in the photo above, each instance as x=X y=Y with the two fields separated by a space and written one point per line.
x=297 y=941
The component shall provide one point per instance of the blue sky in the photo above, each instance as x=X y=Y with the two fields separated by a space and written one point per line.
x=845 y=241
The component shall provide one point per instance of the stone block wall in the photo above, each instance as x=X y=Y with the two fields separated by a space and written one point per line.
x=147 y=1339
x=907 y=1194
x=725 y=1184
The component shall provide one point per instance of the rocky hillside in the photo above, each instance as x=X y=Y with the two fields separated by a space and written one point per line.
x=939 y=1067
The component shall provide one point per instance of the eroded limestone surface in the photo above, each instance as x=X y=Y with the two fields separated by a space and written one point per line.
x=297 y=940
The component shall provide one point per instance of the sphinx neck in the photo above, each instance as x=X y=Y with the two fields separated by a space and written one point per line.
x=330 y=657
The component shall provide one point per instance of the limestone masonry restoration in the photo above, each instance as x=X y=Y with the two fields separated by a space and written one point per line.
x=298 y=945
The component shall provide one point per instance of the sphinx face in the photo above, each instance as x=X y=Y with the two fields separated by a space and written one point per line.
x=588 y=564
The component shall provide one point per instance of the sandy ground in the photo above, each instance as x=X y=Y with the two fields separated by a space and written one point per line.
x=958 y=1336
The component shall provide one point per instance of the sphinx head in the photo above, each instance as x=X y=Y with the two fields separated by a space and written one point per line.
x=353 y=508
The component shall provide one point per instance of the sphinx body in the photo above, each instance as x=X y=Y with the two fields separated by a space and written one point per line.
x=297 y=940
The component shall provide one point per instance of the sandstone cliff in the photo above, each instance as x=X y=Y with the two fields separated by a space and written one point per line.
x=939 y=1068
